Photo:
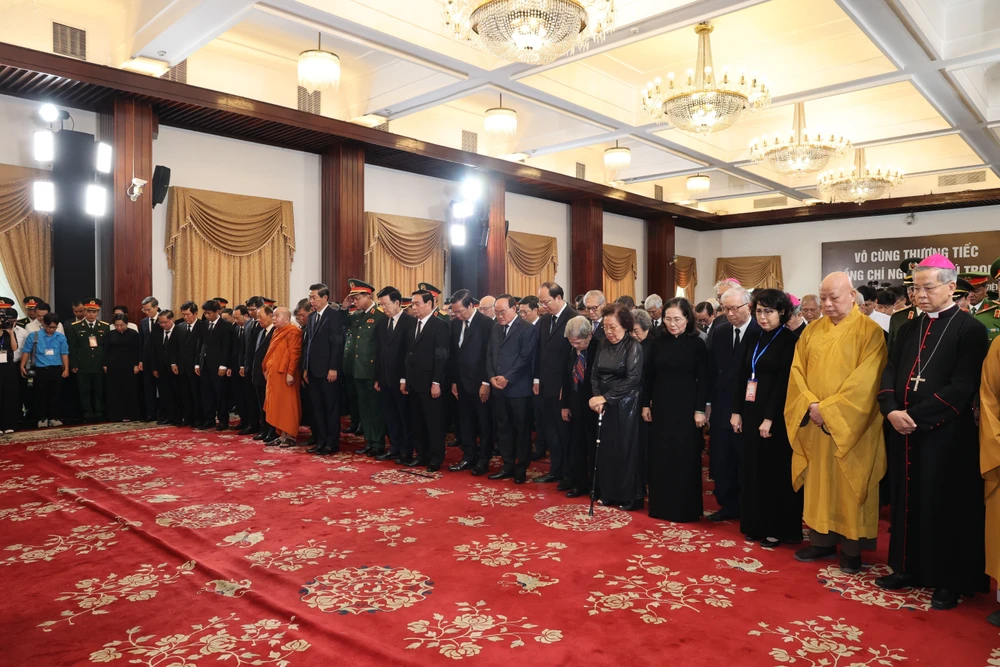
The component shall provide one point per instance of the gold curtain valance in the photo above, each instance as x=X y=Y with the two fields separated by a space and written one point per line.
x=531 y=260
x=25 y=235
x=228 y=244
x=686 y=274
x=752 y=272
x=403 y=251
x=618 y=262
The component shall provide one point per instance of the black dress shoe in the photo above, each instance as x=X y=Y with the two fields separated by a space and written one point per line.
x=315 y=449
x=249 y=429
x=545 y=479
x=460 y=466
x=239 y=426
x=537 y=456
x=722 y=515
x=361 y=450
x=896 y=581
x=433 y=467
x=944 y=598
x=477 y=472
x=400 y=461
x=311 y=441
x=632 y=506
x=576 y=493
x=811 y=553
x=520 y=479
x=387 y=456
x=163 y=422
x=768 y=543
x=564 y=485
x=850 y=564
x=260 y=436
x=183 y=422
x=994 y=618
x=418 y=462
x=503 y=474
x=222 y=427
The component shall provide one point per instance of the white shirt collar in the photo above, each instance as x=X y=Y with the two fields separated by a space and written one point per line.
x=559 y=314
x=936 y=315
x=271 y=326
x=423 y=320
x=743 y=329
x=473 y=316
x=320 y=312
x=395 y=318
x=537 y=320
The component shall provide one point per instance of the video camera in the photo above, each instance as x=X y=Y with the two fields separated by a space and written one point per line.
x=8 y=318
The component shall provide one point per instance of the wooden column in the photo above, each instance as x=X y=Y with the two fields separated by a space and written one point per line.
x=125 y=235
x=587 y=241
x=493 y=264
x=660 y=257
x=343 y=216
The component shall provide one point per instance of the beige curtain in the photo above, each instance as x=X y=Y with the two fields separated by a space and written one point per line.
x=404 y=251
x=221 y=244
x=752 y=272
x=25 y=235
x=531 y=261
x=686 y=276
x=620 y=270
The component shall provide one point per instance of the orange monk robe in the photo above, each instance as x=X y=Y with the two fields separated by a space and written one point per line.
x=989 y=454
x=839 y=367
x=281 y=402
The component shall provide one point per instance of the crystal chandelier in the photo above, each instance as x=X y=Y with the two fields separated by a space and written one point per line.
x=802 y=152
x=319 y=69
x=535 y=32
x=705 y=103
x=698 y=184
x=500 y=123
x=616 y=160
x=860 y=183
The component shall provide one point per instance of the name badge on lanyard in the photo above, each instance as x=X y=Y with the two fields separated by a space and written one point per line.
x=751 y=394
x=93 y=341
x=751 y=391
x=50 y=352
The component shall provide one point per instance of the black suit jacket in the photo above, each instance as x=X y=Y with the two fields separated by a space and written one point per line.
x=513 y=357
x=162 y=357
x=578 y=401
x=391 y=349
x=190 y=345
x=323 y=338
x=250 y=331
x=427 y=356
x=147 y=328
x=239 y=346
x=257 y=366
x=468 y=363
x=216 y=345
x=725 y=363
x=553 y=352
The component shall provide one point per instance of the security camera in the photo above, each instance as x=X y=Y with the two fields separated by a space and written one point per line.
x=138 y=182
x=136 y=189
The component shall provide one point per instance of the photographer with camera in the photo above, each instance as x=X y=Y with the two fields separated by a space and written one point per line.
x=49 y=352
x=12 y=339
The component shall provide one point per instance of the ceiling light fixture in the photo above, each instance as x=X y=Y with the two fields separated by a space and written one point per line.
x=705 y=103
x=802 y=152
x=698 y=184
x=535 y=32
x=616 y=160
x=369 y=120
x=860 y=183
x=319 y=69
x=149 y=66
x=500 y=123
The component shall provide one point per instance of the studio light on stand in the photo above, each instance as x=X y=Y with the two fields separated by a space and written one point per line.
x=96 y=201
x=103 y=162
x=44 y=195
x=457 y=233
x=45 y=146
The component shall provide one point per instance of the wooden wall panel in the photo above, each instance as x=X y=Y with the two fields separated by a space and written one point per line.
x=660 y=251
x=493 y=267
x=343 y=216
x=586 y=241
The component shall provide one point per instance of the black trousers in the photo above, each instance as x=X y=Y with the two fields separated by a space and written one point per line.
x=260 y=391
x=169 y=405
x=238 y=395
x=250 y=403
x=475 y=420
x=398 y=420
x=581 y=444
x=307 y=411
x=10 y=394
x=429 y=416
x=150 y=386
x=514 y=428
x=537 y=418
x=214 y=402
x=727 y=457
x=48 y=383
x=556 y=434
x=189 y=389
x=325 y=399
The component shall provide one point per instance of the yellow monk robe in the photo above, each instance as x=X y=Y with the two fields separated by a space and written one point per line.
x=989 y=454
x=839 y=367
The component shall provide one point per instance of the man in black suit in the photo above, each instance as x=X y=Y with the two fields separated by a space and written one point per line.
x=510 y=358
x=322 y=362
x=392 y=342
x=256 y=352
x=163 y=354
x=147 y=327
x=250 y=331
x=470 y=336
x=725 y=351
x=188 y=354
x=426 y=374
x=237 y=382
x=216 y=356
x=576 y=394
x=654 y=306
x=593 y=301
x=553 y=355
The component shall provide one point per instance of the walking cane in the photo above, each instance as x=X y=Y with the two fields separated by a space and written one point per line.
x=597 y=451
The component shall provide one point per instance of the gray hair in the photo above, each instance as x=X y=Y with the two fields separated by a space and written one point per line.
x=743 y=294
x=809 y=297
x=943 y=275
x=727 y=283
x=643 y=319
x=653 y=301
x=597 y=294
x=859 y=298
x=579 y=328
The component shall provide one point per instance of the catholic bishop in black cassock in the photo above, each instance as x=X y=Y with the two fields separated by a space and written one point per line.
x=928 y=388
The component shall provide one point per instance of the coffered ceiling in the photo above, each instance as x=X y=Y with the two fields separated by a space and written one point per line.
x=914 y=82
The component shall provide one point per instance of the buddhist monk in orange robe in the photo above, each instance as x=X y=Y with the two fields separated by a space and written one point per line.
x=281 y=368
x=989 y=458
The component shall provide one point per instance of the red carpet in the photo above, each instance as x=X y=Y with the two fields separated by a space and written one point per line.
x=167 y=547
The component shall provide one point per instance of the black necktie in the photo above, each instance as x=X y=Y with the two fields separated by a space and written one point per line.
x=260 y=338
x=552 y=324
x=420 y=325
x=736 y=342
x=166 y=338
x=465 y=332
x=392 y=324
x=506 y=329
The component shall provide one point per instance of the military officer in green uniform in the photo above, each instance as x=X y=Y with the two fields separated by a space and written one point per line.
x=961 y=295
x=900 y=316
x=86 y=358
x=350 y=390
x=363 y=325
x=30 y=302
x=989 y=311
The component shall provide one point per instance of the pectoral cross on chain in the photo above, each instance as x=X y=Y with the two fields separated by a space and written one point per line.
x=916 y=382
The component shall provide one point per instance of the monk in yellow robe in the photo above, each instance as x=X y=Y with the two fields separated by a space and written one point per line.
x=282 y=402
x=989 y=460
x=835 y=427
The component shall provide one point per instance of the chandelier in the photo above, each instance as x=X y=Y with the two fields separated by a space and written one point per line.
x=705 y=103
x=860 y=183
x=535 y=32
x=500 y=123
x=698 y=184
x=616 y=159
x=319 y=69
x=802 y=152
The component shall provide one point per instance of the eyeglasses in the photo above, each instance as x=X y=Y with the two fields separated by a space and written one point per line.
x=544 y=302
x=593 y=309
x=925 y=289
x=766 y=312
x=732 y=309
x=675 y=320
